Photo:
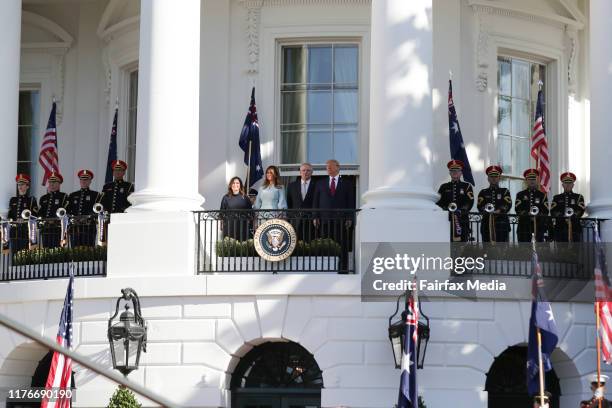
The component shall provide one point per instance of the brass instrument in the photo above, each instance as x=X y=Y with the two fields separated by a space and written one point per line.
x=63 y=216
x=490 y=207
x=456 y=223
x=32 y=228
x=101 y=224
x=568 y=214
x=4 y=236
x=452 y=207
x=534 y=210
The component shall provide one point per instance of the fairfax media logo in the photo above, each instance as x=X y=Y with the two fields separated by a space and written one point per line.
x=275 y=240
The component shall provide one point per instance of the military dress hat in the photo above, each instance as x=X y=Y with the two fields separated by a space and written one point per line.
x=119 y=165
x=56 y=177
x=531 y=174
x=455 y=165
x=568 y=177
x=22 y=178
x=85 y=174
x=494 y=171
x=602 y=378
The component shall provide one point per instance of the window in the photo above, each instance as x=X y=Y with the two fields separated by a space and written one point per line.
x=132 y=107
x=319 y=103
x=518 y=84
x=28 y=131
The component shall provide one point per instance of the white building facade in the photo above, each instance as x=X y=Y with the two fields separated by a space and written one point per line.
x=181 y=72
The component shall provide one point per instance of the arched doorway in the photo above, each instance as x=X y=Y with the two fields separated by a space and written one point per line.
x=507 y=380
x=277 y=375
x=39 y=380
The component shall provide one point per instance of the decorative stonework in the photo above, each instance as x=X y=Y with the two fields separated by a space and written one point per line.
x=572 y=54
x=482 y=54
x=252 y=33
x=108 y=77
x=506 y=10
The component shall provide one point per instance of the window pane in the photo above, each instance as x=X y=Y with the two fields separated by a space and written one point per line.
x=345 y=147
x=319 y=65
x=24 y=168
x=345 y=107
x=520 y=155
x=319 y=107
x=319 y=147
x=504 y=78
x=521 y=79
x=26 y=108
x=293 y=147
x=345 y=65
x=521 y=118
x=504 y=124
x=293 y=65
x=24 y=145
x=293 y=107
x=133 y=90
x=504 y=153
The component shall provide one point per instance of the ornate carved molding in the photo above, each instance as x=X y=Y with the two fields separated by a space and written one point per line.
x=502 y=9
x=482 y=53
x=252 y=33
x=572 y=50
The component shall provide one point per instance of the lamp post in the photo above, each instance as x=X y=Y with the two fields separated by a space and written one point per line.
x=127 y=336
x=397 y=335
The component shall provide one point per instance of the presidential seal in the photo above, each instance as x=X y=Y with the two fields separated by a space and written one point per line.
x=275 y=240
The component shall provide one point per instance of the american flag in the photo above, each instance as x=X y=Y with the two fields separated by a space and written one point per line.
x=603 y=296
x=408 y=392
x=48 y=157
x=539 y=145
x=60 y=373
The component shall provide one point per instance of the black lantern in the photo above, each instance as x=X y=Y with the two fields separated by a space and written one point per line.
x=128 y=335
x=397 y=335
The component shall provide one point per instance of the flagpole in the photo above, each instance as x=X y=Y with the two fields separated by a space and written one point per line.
x=541 y=366
x=598 y=345
x=248 y=176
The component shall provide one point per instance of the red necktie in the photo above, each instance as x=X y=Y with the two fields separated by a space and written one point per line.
x=332 y=186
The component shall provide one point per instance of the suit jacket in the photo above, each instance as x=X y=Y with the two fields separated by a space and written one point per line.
x=294 y=194
x=344 y=197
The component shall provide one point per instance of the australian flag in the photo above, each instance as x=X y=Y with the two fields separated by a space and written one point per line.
x=457 y=148
x=408 y=393
x=112 y=151
x=541 y=318
x=250 y=136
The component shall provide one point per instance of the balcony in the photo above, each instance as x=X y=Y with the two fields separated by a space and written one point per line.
x=325 y=241
x=43 y=257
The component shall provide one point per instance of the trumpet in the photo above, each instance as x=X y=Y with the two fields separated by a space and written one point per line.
x=534 y=210
x=452 y=207
x=490 y=207
x=27 y=214
x=569 y=212
x=61 y=212
x=98 y=208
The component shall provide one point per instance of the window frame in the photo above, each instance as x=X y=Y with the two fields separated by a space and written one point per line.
x=292 y=169
x=123 y=120
x=35 y=137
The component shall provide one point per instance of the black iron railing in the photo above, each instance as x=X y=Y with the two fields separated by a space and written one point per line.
x=325 y=241
x=565 y=251
x=43 y=249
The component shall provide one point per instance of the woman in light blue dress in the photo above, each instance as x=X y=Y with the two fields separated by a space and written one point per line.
x=271 y=196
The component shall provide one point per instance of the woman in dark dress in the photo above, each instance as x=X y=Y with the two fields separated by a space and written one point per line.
x=236 y=224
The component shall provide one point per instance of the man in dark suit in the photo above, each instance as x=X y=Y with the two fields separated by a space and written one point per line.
x=300 y=194
x=335 y=193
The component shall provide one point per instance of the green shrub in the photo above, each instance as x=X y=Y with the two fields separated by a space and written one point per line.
x=230 y=247
x=57 y=255
x=123 y=398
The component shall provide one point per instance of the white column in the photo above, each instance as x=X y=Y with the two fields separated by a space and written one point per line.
x=157 y=236
x=168 y=107
x=401 y=114
x=399 y=204
x=10 y=48
x=601 y=121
